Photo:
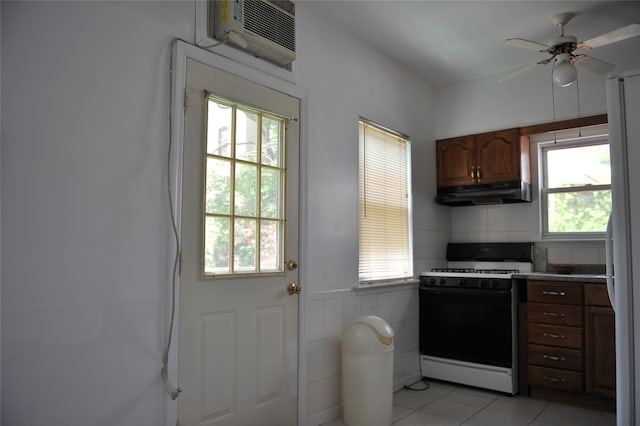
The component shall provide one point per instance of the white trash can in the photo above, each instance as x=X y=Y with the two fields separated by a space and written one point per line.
x=367 y=372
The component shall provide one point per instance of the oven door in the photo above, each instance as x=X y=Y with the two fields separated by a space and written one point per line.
x=473 y=325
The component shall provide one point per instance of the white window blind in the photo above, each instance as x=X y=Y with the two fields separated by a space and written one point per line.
x=385 y=205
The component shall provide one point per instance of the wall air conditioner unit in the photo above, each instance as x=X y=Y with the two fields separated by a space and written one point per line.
x=265 y=28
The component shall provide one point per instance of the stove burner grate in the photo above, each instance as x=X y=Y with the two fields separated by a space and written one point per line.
x=476 y=271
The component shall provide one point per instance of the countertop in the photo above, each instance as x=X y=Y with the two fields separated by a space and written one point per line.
x=543 y=276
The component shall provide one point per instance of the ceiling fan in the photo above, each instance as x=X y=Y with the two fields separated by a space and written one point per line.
x=562 y=47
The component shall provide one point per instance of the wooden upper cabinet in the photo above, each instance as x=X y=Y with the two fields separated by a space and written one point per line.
x=456 y=161
x=501 y=156
x=498 y=156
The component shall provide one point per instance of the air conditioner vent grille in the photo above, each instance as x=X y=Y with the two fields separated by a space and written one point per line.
x=270 y=22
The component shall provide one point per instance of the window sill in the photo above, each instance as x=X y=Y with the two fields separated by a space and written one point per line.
x=381 y=285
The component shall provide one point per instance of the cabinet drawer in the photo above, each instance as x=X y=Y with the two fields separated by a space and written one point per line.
x=548 y=313
x=555 y=335
x=596 y=295
x=556 y=378
x=550 y=356
x=554 y=292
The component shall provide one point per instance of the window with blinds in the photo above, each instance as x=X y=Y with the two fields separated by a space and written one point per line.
x=385 y=205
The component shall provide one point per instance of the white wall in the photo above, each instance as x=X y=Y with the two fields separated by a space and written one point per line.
x=0 y=206
x=84 y=209
x=485 y=105
x=345 y=79
x=85 y=223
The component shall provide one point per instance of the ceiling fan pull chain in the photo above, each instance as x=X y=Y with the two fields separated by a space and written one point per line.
x=578 y=100
x=553 y=100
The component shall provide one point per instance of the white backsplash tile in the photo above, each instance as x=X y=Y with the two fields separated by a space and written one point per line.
x=315 y=397
x=478 y=236
x=369 y=304
x=586 y=255
x=315 y=313
x=404 y=304
x=384 y=306
x=315 y=361
x=497 y=219
x=332 y=357
x=560 y=255
x=477 y=219
x=328 y=314
x=333 y=317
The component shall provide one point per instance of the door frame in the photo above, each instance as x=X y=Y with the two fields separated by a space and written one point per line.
x=181 y=51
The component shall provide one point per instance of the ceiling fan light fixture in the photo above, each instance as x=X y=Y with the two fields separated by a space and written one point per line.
x=564 y=73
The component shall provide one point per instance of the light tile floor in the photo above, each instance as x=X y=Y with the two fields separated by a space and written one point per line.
x=445 y=404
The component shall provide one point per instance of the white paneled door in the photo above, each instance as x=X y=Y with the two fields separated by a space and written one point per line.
x=237 y=353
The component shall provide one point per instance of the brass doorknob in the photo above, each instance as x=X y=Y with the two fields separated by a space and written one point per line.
x=293 y=288
x=292 y=265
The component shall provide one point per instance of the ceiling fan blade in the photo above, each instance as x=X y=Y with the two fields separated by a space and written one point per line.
x=592 y=64
x=526 y=44
x=517 y=73
x=546 y=61
x=620 y=34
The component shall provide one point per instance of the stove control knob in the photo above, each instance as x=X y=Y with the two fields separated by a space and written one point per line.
x=443 y=281
x=432 y=281
x=483 y=283
x=494 y=284
x=463 y=282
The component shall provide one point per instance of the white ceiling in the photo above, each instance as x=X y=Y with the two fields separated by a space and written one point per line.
x=448 y=42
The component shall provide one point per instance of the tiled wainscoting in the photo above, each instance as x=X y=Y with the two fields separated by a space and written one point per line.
x=328 y=313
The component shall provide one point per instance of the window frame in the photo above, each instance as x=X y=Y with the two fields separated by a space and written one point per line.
x=565 y=140
x=401 y=278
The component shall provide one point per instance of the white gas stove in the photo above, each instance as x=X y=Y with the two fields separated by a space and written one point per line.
x=468 y=315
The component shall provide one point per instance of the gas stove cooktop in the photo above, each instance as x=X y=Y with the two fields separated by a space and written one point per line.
x=485 y=260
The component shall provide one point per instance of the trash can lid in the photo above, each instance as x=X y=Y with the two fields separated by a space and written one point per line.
x=368 y=333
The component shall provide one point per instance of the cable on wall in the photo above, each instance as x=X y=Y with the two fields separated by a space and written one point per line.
x=173 y=391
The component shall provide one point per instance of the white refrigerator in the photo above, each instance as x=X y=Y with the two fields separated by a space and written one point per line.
x=623 y=242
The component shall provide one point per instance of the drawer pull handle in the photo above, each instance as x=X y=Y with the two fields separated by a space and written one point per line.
x=554 y=358
x=553 y=314
x=555 y=336
x=554 y=293
x=554 y=379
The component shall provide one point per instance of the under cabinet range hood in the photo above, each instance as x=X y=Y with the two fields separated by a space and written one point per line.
x=480 y=194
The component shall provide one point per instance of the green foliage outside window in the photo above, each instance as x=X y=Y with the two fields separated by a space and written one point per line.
x=579 y=211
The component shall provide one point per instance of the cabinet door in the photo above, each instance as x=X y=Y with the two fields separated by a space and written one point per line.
x=498 y=156
x=600 y=351
x=456 y=161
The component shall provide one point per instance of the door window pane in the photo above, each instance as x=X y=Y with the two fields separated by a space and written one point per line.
x=270 y=190
x=245 y=185
x=219 y=119
x=271 y=141
x=270 y=245
x=243 y=208
x=218 y=186
x=216 y=245
x=246 y=135
x=244 y=245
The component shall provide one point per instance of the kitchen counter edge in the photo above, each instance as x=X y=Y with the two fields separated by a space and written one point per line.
x=542 y=276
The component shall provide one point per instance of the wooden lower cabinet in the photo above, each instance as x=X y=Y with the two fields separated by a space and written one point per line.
x=569 y=342
x=600 y=346
x=556 y=378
